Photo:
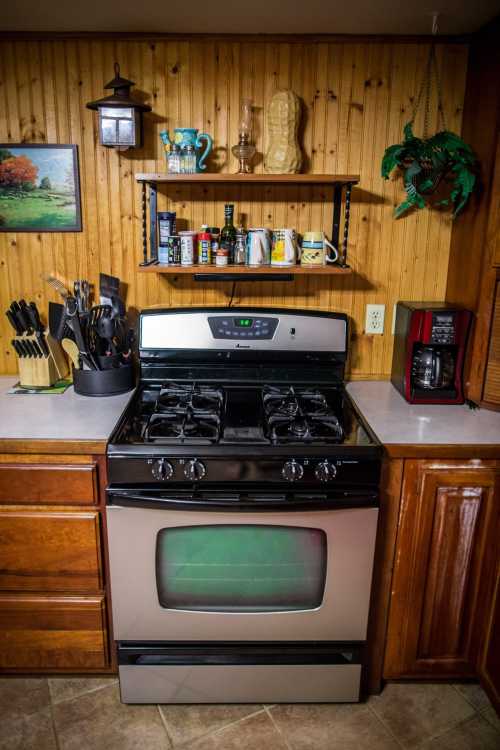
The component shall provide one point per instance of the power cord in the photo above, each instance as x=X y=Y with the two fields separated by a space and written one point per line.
x=233 y=290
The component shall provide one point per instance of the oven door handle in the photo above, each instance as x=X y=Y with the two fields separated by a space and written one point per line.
x=241 y=502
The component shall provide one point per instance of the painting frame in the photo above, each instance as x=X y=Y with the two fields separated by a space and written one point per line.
x=76 y=226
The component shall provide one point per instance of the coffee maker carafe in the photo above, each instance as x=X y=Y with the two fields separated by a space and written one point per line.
x=429 y=350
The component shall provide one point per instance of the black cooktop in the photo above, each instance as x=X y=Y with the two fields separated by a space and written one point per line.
x=277 y=414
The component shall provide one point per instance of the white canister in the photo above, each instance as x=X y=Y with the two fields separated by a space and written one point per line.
x=258 y=247
x=188 y=243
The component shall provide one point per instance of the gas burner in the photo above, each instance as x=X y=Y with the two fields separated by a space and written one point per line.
x=299 y=415
x=185 y=413
x=184 y=427
x=198 y=397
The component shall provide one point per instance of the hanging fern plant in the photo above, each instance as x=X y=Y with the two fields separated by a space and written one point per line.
x=426 y=162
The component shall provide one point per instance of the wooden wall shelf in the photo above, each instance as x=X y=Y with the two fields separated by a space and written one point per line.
x=339 y=182
x=249 y=179
x=242 y=271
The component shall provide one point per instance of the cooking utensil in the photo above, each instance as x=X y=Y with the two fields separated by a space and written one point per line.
x=38 y=328
x=106 y=329
x=19 y=316
x=57 y=285
x=71 y=309
x=71 y=350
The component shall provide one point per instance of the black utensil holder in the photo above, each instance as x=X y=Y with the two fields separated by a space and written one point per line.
x=104 y=382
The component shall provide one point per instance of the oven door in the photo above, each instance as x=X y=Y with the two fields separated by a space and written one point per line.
x=217 y=573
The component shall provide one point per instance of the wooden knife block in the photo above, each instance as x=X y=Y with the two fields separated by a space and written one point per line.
x=42 y=371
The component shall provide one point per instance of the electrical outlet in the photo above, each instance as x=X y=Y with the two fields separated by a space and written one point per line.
x=374 y=319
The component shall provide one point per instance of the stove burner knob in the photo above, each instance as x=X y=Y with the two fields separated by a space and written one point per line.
x=162 y=470
x=292 y=471
x=194 y=470
x=325 y=471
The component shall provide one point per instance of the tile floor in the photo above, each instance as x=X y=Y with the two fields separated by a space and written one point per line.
x=86 y=714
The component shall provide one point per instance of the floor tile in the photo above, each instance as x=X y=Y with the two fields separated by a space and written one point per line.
x=332 y=727
x=99 y=721
x=188 y=722
x=255 y=733
x=416 y=712
x=21 y=696
x=474 y=693
x=473 y=734
x=65 y=688
x=491 y=715
x=29 y=732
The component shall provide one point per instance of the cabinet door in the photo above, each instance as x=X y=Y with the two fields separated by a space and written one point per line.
x=445 y=563
x=489 y=667
x=46 y=549
x=48 y=484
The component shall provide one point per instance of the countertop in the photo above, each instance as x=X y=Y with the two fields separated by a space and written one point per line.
x=63 y=423
x=429 y=430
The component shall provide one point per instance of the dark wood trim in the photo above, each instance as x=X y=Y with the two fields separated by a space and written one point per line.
x=55 y=447
x=385 y=550
x=153 y=36
x=430 y=451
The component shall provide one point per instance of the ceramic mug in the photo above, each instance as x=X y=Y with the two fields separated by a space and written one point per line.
x=315 y=250
x=258 y=247
x=286 y=249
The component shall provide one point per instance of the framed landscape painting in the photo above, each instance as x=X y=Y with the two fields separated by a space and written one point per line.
x=39 y=188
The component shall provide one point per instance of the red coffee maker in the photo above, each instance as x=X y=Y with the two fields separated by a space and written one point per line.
x=429 y=350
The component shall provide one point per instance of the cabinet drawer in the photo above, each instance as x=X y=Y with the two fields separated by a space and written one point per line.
x=53 y=632
x=49 y=550
x=48 y=484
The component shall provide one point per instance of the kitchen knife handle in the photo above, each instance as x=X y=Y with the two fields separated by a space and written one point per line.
x=14 y=323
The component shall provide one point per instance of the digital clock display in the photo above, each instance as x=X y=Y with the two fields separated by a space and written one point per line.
x=243 y=322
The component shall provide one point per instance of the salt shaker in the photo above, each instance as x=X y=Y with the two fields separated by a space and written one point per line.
x=240 y=247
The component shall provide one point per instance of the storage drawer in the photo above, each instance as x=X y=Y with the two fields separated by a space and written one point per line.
x=53 y=632
x=49 y=550
x=48 y=484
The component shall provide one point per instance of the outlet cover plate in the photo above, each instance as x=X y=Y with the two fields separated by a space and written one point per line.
x=375 y=315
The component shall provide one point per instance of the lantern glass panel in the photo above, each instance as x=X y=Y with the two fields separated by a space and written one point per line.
x=108 y=131
x=117 y=112
x=126 y=132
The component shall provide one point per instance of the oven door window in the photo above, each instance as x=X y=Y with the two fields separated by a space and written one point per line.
x=241 y=568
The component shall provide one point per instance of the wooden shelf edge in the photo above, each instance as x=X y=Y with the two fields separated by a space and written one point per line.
x=247 y=270
x=246 y=179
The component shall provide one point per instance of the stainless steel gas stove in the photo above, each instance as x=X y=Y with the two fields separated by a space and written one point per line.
x=242 y=511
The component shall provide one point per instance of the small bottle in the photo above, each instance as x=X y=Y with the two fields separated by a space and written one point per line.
x=204 y=249
x=190 y=160
x=174 y=160
x=228 y=234
x=240 y=248
x=183 y=160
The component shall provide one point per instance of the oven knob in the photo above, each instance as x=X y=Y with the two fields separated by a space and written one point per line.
x=292 y=471
x=162 y=470
x=194 y=470
x=325 y=471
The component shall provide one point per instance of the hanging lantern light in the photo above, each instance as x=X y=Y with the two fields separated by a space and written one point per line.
x=120 y=116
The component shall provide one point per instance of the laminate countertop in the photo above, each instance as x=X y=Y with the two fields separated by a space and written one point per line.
x=65 y=423
x=406 y=429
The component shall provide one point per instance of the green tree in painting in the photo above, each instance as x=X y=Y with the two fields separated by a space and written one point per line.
x=5 y=154
x=45 y=184
x=18 y=173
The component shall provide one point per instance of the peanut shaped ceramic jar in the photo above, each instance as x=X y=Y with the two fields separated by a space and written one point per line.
x=283 y=153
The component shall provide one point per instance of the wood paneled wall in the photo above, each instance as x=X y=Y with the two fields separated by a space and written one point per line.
x=357 y=98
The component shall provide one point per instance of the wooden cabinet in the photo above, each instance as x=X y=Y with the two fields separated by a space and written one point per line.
x=54 y=614
x=489 y=667
x=449 y=526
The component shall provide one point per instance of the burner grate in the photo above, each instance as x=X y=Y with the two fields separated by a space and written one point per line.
x=299 y=415
x=185 y=413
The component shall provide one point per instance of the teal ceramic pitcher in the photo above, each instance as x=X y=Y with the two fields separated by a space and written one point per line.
x=189 y=137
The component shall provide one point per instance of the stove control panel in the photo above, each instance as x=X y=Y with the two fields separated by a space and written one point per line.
x=162 y=470
x=234 y=327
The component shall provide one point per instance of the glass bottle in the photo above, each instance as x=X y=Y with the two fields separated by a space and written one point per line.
x=228 y=234
x=240 y=248
x=174 y=160
x=183 y=160
x=190 y=160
